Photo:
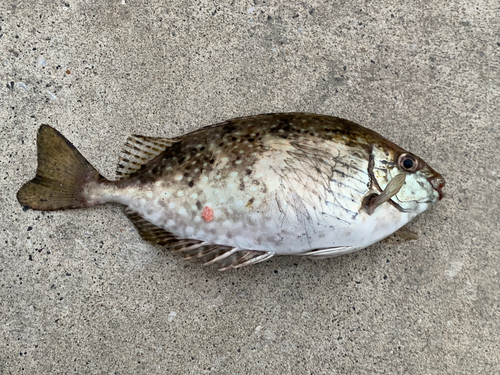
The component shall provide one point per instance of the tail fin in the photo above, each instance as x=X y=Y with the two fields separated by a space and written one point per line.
x=61 y=175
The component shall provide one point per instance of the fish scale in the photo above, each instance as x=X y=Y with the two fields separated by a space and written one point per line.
x=242 y=191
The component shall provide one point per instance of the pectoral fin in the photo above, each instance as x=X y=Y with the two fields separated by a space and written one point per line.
x=330 y=252
x=372 y=201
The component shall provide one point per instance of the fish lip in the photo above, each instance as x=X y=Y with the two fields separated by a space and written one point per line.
x=437 y=184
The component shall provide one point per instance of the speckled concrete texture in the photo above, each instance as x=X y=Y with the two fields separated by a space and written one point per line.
x=80 y=292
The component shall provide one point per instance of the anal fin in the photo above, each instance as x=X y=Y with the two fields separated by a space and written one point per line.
x=226 y=257
x=149 y=231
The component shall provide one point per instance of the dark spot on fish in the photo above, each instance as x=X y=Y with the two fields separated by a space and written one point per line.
x=229 y=128
x=237 y=158
x=212 y=161
x=255 y=182
x=186 y=174
x=162 y=203
x=251 y=139
x=242 y=186
x=248 y=171
x=250 y=202
x=191 y=183
x=25 y=208
x=199 y=205
x=181 y=160
x=234 y=139
x=202 y=148
x=287 y=128
x=30 y=228
x=221 y=144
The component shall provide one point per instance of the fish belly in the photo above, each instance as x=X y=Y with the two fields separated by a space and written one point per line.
x=284 y=228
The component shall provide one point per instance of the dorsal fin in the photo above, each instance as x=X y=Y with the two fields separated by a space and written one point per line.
x=140 y=150
x=225 y=256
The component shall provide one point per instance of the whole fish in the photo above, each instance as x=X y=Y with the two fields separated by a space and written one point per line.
x=239 y=192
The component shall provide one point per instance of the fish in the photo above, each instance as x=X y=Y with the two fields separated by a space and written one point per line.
x=239 y=192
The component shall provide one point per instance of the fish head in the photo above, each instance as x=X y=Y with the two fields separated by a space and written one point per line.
x=422 y=185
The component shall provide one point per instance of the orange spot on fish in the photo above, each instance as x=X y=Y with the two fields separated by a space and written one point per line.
x=207 y=214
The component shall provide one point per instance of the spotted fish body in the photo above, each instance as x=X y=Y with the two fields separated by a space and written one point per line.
x=239 y=192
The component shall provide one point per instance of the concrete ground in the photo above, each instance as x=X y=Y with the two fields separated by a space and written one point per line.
x=80 y=292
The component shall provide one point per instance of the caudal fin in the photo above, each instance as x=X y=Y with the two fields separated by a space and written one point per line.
x=61 y=176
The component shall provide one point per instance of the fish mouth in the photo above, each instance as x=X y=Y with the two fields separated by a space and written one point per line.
x=437 y=184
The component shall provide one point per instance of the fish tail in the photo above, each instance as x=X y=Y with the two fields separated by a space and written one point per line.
x=63 y=176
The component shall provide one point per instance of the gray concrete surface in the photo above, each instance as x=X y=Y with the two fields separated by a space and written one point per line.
x=80 y=292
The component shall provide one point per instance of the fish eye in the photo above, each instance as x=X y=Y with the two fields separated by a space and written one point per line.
x=408 y=162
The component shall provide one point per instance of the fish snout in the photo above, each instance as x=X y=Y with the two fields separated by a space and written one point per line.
x=438 y=183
